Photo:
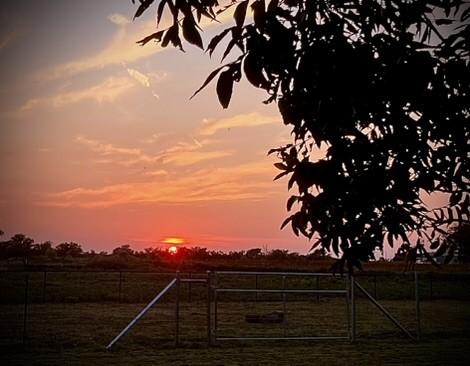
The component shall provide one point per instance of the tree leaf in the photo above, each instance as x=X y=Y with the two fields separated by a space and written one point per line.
x=230 y=45
x=280 y=175
x=291 y=201
x=224 y=88
x=240 y=13
x=190 y=33
x=281 y=166
x=160 y=10
x=211 y=76
x=144 y=4
x=171 y=35
x=216 y=40
x=253 y=71
x=157 y=36
x=286 y=221
x=259 y=11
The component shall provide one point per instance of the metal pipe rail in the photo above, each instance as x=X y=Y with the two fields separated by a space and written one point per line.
x=384 y=311
x=142 y=313
x=213 y=320
x=300 y=338
x=312 y=274
x=285 y=291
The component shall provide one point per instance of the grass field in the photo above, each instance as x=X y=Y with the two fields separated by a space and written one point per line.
x=81 y=315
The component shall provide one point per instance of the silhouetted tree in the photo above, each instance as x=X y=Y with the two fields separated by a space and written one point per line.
x=42 y=248
x=254 y=253
x=69 y=249
x=278 y=254
x=124 y=250
x=382 y=88
x=19 y=246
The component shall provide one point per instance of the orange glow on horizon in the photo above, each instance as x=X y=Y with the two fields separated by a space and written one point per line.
x=173 y=240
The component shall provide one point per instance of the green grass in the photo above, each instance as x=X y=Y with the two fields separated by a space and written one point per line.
x=76 y=334
x=81 y=314
x=141 y=286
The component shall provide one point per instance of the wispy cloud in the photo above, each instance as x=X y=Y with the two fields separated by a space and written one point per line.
x=118 y=19
x=181 y=154
x=141 y=78
x=211 y=127
x=244 y=182
x=107 y=91
x=146 y=80
x=122 y=48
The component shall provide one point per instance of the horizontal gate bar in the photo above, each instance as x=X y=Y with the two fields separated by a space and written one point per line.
x=326 y=338
x=275 y=273
x=293 y=291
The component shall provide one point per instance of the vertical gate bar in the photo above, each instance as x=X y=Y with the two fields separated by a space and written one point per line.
x=209 y=330
x=44 y=286
x=25 y=310
x=177 y=309
x=418 y=310
x=353 y=310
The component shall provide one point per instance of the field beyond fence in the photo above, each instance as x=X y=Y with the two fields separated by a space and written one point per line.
x=72 y=313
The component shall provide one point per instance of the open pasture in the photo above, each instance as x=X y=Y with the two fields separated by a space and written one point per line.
x=82 y=312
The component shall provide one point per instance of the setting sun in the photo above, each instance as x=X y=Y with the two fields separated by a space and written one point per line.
x=172 y=249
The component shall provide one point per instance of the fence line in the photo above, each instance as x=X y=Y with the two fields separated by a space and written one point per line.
x=52 y=287
x=32 y=285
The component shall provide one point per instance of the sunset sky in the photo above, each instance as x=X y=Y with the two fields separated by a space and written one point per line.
x=100 y=144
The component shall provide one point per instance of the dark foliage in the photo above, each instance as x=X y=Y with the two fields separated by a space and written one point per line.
x=69 y=249
x=455 y=244
x=382 y=87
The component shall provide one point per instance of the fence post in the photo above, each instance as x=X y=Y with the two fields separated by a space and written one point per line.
x=430 y=286
x=284 y=310
x=375 y=286
x=189 y=287
x=256 y=287
x=348 y=307
x=317 y=284
x=418 y=310
x=209 y=325
x=353 y=309
x=25 y=310
x=44 y=284
x=120 y=287
x=177 y=309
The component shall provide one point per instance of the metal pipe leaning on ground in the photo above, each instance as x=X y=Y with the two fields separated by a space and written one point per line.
x=142 y=313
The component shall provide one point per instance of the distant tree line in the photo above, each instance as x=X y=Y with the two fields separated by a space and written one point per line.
x=24 y=248
x=455 y=245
